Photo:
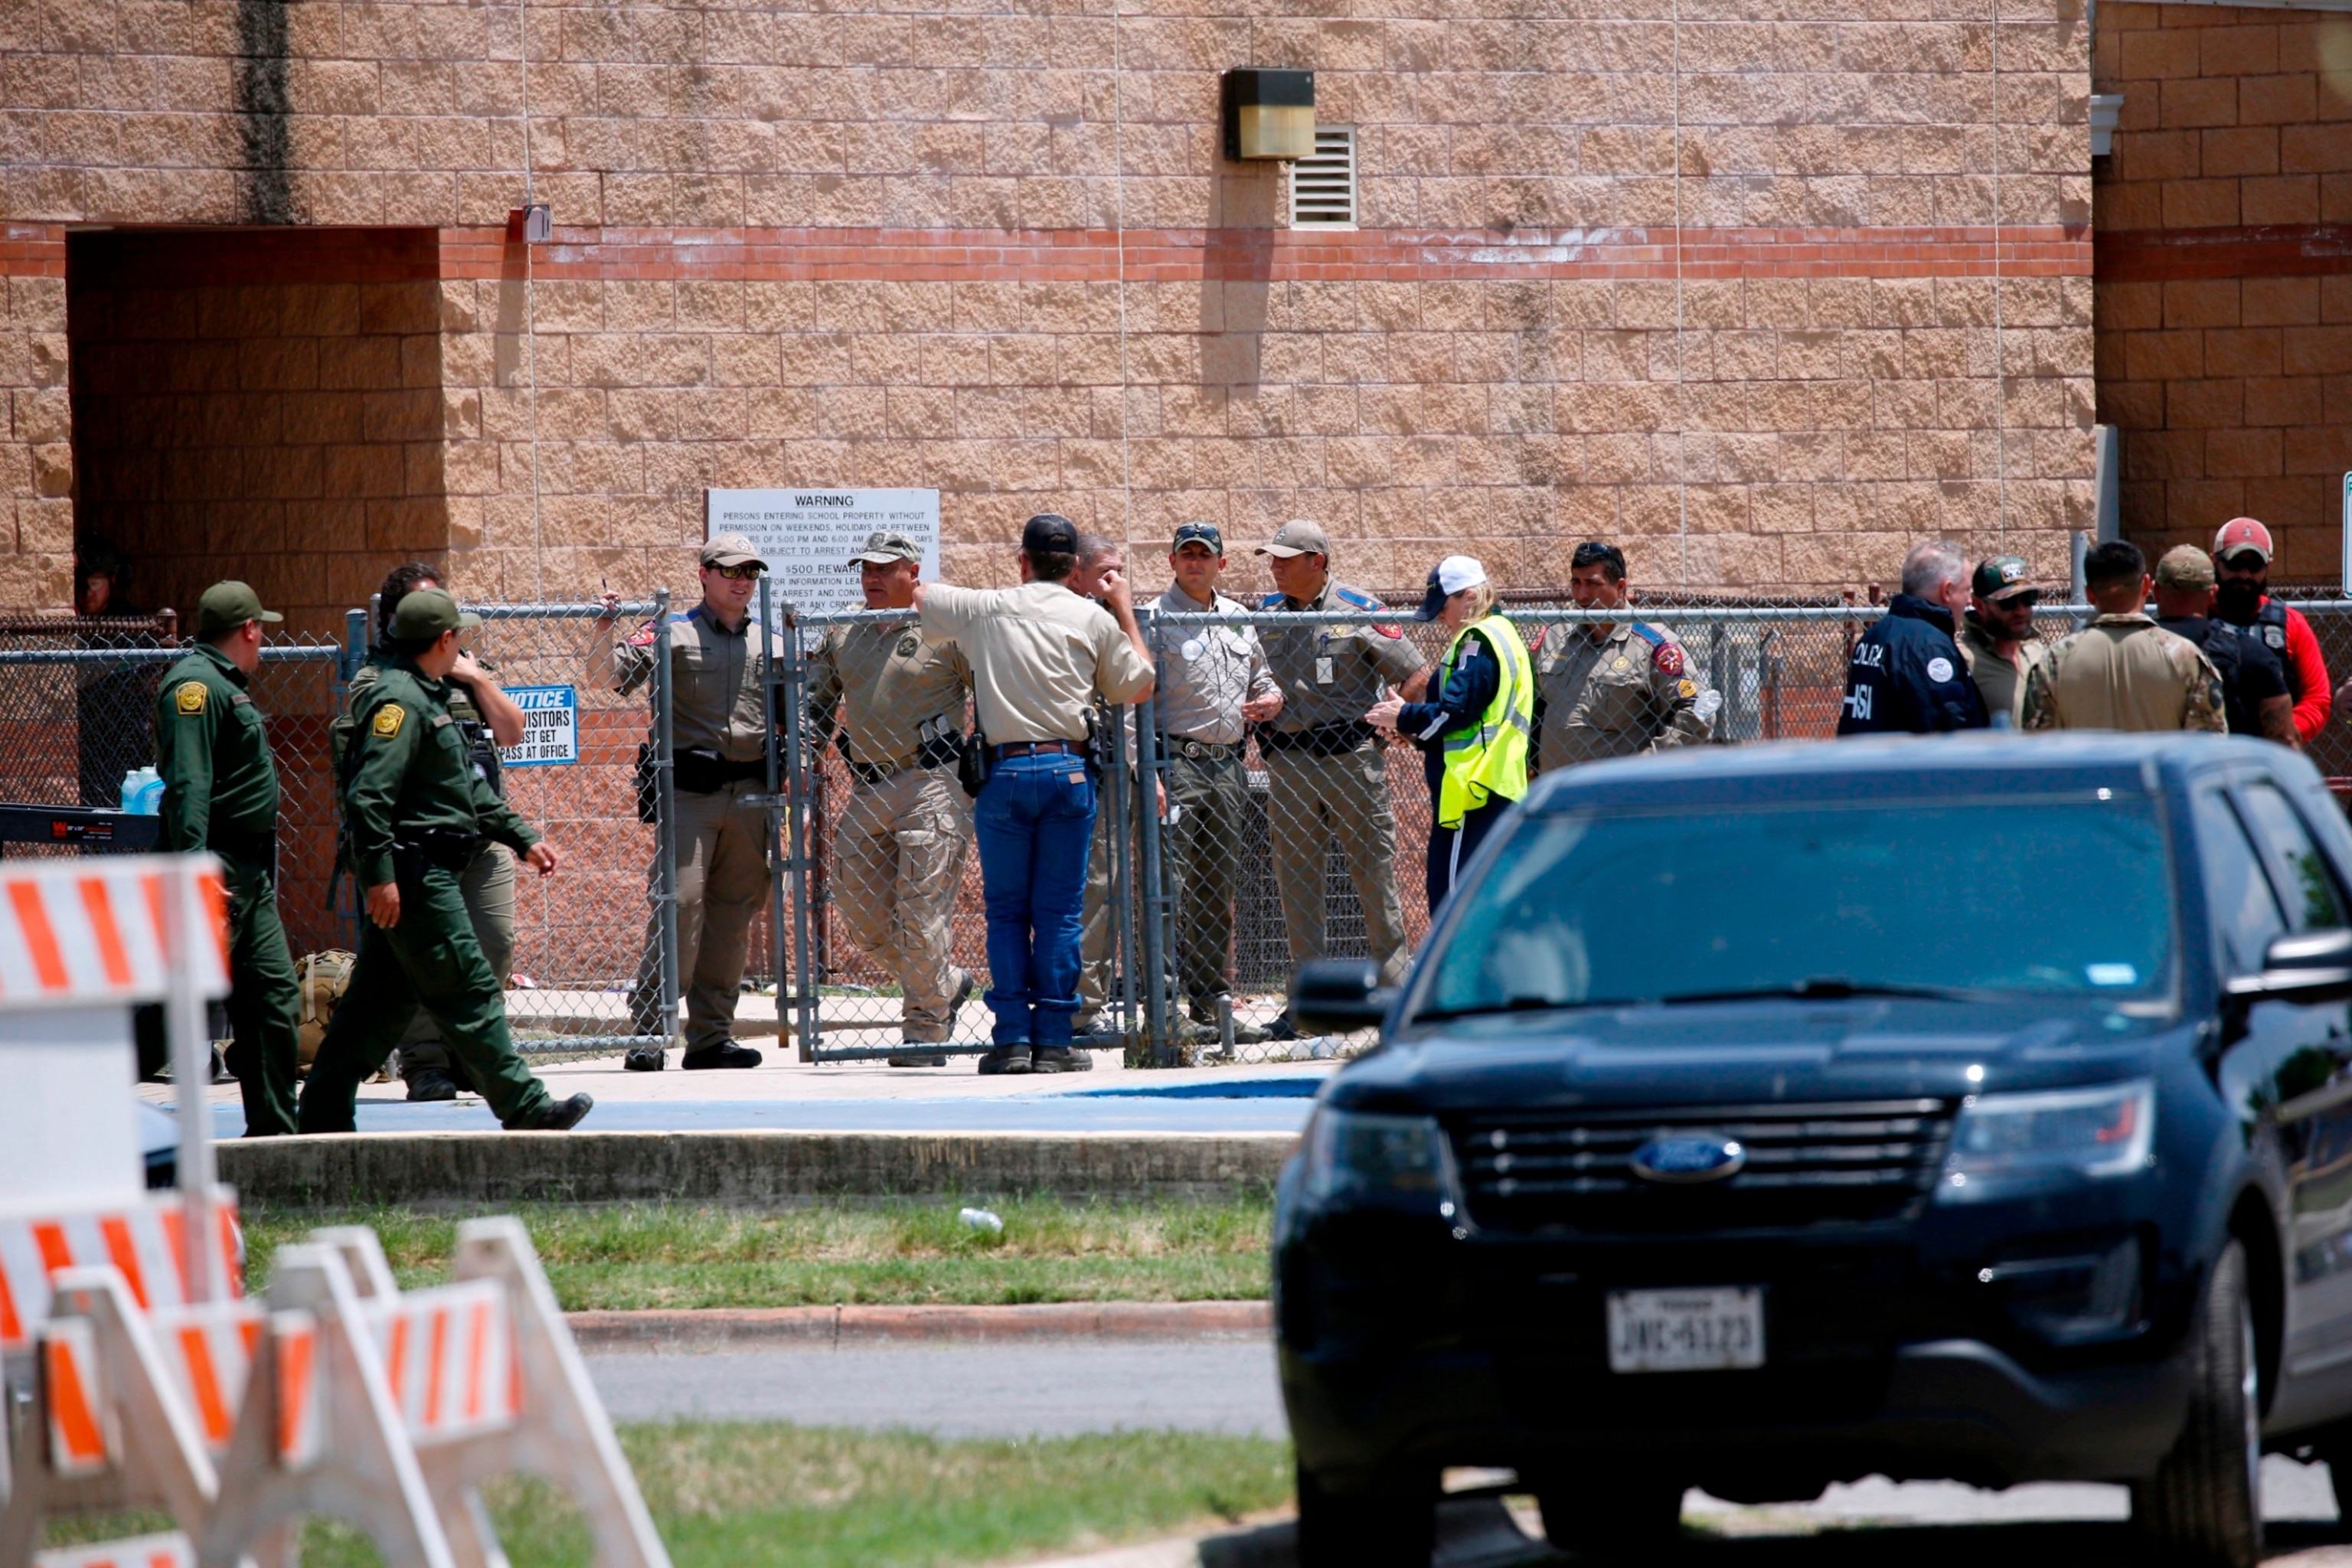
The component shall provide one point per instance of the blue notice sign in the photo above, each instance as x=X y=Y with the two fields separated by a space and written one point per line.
x=551 y=734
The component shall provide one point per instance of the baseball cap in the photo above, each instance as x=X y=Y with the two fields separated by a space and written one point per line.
x=885 y=545
x=2243 y=533
x=2185 y=566
x=1206 y=534
x=1447 y=578
x=228 y=605
x=1049 y=533
x=727 y=549
x=1297 y=537
x=2001 y=577
x=427 y=613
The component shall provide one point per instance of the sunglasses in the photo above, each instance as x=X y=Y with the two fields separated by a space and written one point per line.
x=736 y=574
x=2025 y=600
x=2246 y=560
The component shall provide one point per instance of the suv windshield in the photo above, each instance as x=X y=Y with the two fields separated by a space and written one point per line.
x=1950 y=897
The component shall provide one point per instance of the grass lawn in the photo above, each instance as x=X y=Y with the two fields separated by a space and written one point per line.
x=897 y=1251
x=748 y=1495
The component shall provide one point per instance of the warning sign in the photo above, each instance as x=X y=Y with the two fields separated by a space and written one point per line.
x=807 y=536
x=551 y=732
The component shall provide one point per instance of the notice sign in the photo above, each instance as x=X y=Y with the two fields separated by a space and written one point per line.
x=550 y=726
x=807 y=536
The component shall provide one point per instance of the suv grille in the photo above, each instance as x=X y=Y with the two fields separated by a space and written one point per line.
x=1807 y=1165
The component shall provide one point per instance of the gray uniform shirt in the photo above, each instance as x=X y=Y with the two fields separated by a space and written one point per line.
x=1331 y=674
x=1206 y=673
x=715 y=674
x=1623 y=693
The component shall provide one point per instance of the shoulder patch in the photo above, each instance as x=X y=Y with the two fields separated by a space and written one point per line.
x=1687 y=689
x=388 y=720
x=1387 y=631
x=191 y=696
x=1668 y=658
x=643 y=637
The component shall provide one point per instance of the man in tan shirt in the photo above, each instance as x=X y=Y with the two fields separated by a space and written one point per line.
x=2123 y=671
x=899 y=694
x=1039 y=656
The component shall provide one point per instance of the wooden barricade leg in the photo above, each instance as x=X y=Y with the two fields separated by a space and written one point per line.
x=563 y=1433
x=152 y=1447
x=318 y=1433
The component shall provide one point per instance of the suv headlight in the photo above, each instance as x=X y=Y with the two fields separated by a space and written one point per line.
x=2007 y=1142
x=1353 y=1156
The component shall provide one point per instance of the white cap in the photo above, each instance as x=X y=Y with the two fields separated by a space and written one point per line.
x=1456 y=572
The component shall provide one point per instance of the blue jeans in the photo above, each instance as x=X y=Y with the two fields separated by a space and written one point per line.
x=1033 y=823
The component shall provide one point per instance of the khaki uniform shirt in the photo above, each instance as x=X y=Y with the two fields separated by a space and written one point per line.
x=2124 y=672
x=1039 y=654
x=1331 y=674
x=2000 y=683
x=1632 y=691
x=887 y=681
x=1206 y=673
x=715 y=675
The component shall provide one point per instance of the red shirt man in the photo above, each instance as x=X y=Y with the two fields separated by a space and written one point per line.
x=2241 y=562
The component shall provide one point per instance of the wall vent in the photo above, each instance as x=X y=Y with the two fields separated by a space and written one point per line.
x=1323 y=188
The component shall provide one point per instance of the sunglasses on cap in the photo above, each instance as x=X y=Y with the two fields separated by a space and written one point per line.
x=742 y=573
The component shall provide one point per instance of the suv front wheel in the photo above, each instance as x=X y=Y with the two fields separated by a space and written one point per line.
x=2203 y=1507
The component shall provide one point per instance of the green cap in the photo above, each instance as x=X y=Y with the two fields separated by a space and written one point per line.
x=427 y=613
x=2001 y=577
x=228 y=605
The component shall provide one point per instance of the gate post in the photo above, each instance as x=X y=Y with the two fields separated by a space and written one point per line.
x=665 y=812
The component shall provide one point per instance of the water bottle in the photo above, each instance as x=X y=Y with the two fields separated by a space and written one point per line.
x=142 y=792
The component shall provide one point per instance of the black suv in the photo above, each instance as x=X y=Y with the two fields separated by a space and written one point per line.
x=1759 y=1118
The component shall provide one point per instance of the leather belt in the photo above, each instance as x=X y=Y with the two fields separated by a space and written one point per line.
x=1037 y=749
x=1204 y=751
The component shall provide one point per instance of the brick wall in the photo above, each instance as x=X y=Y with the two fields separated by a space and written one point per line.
x=2224 y=220
x=851 y=246
x=259 y=405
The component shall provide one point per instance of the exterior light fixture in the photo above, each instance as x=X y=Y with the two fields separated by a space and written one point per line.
x=532 y=225
x=1269 y=113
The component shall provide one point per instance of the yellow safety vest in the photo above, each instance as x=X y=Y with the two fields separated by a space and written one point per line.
x=1488 y=760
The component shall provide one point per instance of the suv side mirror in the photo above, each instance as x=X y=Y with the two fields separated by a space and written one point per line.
x=2307 y=968
x=1334 y=995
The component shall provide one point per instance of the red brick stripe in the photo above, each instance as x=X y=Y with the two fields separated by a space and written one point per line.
x=2286 y=250
x=1161 y=256
x=1151 y=255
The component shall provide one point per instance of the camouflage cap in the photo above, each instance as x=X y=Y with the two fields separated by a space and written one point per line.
x=886 y=545
x=2001 y=577
x=2185 y=566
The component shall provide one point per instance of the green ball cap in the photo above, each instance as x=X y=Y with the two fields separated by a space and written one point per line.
x=228 y=605
x=427 y=613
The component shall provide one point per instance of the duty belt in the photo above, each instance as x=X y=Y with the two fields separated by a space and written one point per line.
x=451 y=848
x=1037 y=749
x=1317 y=740
x=700 y=771
x=1204 y=751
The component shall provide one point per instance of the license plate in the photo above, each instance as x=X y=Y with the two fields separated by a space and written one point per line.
x=1707 y=1329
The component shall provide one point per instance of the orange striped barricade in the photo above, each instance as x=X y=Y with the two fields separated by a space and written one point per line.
x=549 y=1422
x=113 y=1432
x=144 y=1239
x=141 y=1551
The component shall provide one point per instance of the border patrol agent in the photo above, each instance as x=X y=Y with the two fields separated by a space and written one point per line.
x=1473 y=735
x=414 y=814
x=1326 y=776
x=1613 y=690
x=487 y=719
x=718 y=742
x=2123 y=671
x=220 y=793
x=899 y=692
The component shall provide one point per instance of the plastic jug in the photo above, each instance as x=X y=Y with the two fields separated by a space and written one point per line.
x=142 y=792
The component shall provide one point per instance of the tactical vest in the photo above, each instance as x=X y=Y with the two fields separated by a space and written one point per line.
x=1488 y=760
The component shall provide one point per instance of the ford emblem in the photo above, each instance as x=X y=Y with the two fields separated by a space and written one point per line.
x=1682 y=1161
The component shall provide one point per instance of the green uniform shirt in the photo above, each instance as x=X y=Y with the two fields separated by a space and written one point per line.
x=458 y=700
x=212 y=748
x=412 y=771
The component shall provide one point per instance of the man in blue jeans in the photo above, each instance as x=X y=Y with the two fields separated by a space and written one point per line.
x=1039 y=655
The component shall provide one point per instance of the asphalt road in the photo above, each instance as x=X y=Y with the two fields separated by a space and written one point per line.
x=1053 y=1389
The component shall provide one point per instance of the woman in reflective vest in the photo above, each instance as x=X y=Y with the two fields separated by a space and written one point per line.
x=1474 y=731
